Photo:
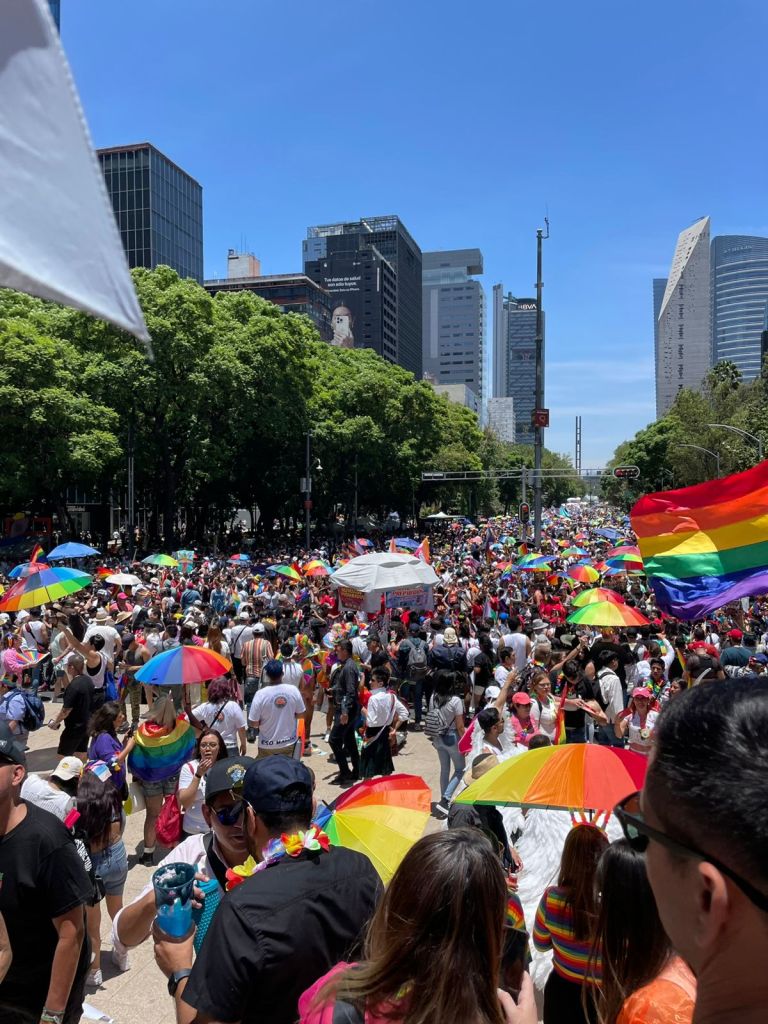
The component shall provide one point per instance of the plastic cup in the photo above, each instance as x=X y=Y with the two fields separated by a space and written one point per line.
x=173 y=885
x=211 y=899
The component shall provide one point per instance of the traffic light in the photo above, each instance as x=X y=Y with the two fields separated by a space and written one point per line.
x=626 y=472
x=524 y=513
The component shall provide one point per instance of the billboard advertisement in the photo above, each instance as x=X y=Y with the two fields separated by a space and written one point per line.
x=353 y=284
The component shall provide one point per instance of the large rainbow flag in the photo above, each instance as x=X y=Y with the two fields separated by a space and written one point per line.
x=158 y=754
x=706 y=545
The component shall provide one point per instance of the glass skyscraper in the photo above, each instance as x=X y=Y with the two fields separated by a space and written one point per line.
x=739 y=272
x=159 y=209
x=514 y=333
x=453 y=321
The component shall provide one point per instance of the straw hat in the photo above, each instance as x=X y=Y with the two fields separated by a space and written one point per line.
x=482 y=764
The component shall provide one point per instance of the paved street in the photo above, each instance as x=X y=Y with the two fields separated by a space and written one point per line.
x=139 y=996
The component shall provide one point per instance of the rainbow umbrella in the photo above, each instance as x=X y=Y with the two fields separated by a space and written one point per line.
x=317 y=568
x=286 y=570
x=537 y=567
x=165 y=560
x=43 y=587
x=186 y=664
x=594 y=595
x=239 y=558
x=583 y=573
x=31 y=658
x=607 y=613
x=574 y=552
x=381 y=818
x=576 y=776
x=20 y=572
x=625 y=563
x=625 y=549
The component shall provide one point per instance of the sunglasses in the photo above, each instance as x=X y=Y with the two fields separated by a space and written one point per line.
x=639 y=833
x=230 y=815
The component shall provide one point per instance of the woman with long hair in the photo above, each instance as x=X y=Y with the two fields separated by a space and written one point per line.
x=214 y=640
x=644 y=982
x=565 y=923
x=448 y=711
x=100 y=824
x=209 y=749
x=544 y=705
x=222 y=712
x=637 y=722
x=105 y=746
x=434 y=946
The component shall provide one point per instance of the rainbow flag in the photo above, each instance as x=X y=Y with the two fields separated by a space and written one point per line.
x=706 y=545
x=37 y=551
x=159 y=755
x=560 y=736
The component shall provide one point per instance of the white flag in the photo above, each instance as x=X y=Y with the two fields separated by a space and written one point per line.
x=58 y=235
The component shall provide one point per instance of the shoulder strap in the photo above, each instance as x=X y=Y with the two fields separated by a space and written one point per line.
x=219 y=713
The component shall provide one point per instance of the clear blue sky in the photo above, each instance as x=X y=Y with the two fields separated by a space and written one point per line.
x=468 y=120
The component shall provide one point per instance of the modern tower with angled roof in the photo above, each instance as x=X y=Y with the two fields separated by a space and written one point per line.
x=683 y=336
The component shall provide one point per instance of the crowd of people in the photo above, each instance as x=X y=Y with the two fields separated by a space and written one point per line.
x=496 y=914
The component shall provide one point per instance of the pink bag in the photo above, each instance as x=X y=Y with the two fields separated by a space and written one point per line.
x=168 y=825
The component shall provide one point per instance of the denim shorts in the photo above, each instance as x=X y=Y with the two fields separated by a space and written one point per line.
x=111 y=866
x=162 y=788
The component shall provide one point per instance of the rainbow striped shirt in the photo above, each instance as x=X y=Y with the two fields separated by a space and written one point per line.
x=553 y=929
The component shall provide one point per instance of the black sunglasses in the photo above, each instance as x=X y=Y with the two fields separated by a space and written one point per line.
x=229 y=815
x=638 y=832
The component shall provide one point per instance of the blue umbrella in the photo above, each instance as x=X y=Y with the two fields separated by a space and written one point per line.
x=406 y=542
x=71 y=550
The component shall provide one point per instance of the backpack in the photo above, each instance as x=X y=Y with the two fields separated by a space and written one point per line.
x=417 y=659
x=34 y=710
x=434 y=721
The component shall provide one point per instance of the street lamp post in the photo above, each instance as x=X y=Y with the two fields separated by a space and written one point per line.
x=743 y=433
x=707 y=451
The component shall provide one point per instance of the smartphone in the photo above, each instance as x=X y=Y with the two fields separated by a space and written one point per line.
x=515 y=958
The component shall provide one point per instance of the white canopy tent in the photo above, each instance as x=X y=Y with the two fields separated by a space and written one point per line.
x=383 y=572
x=58 y=235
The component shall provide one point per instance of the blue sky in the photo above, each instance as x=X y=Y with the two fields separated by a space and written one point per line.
x=625 y=122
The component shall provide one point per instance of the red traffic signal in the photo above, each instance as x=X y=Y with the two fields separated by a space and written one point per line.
x=524 y=512
x=626 y=472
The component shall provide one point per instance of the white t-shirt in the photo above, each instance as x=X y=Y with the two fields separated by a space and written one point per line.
x=612 y=693
x=449 y=711
x=31 y=634
x=275 y=709
x=194 y=822
x=111 y=637
x=383 y=708
x=228 y=722
x=292 y=673
x=38 y=792
x=518 y=642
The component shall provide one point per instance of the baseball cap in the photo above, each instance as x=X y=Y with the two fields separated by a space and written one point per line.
x=492 y=692
x=68 y=768
x=10 y=748
x=227 y=775
x=274 y=668
x=735 y=634
x=642 y=691
x=278 y=785
x=259 y=629
x=521 y=698
x=761 y=659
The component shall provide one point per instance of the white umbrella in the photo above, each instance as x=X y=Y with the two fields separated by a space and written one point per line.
x=440 y=515
x=124 y=579
x=383 y=571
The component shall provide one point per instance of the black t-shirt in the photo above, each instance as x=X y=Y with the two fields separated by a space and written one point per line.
x=41 y=877
x=77 y=698
x=622 y=652
x=577 y=688
x=277 y=933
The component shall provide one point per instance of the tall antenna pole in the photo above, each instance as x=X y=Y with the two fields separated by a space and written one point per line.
x=539 y=414
x=577 y=452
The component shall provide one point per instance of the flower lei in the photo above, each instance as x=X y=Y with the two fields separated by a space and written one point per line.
x=314 y=839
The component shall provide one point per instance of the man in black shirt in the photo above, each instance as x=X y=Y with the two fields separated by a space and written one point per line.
x=343 y=742
x=75 y=710
x=273 y=936
x=43 y=892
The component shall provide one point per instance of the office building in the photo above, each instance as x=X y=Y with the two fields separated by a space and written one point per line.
x=501 y=419
x=659 y=287
x=514 y=344
x=55 y=6
x=291 y=293
x=683 y=339
x=372 y=268
x=739 y=288
x=158 y=206
x=453 y=321
x=242 y=264
x=458 y=393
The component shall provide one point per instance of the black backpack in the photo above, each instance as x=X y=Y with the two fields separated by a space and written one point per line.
x=34 y=709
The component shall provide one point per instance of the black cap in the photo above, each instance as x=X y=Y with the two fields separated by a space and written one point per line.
x=226 y=775
x=10 y=746
x=278 y=785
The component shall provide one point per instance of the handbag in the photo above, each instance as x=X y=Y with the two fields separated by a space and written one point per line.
x=136 y=800
x=111 y=691
x=168 y=824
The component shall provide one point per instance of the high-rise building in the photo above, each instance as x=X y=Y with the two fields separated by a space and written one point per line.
x=158 y=206
x=501 y=419
x=460 y=394
x=739 y=276
x=659 y=287
x=55 y=6
x=514 y=342
x=683 y=339
x=372 y=268
x=291 y=293
x=453 y=321
x=242 y=264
